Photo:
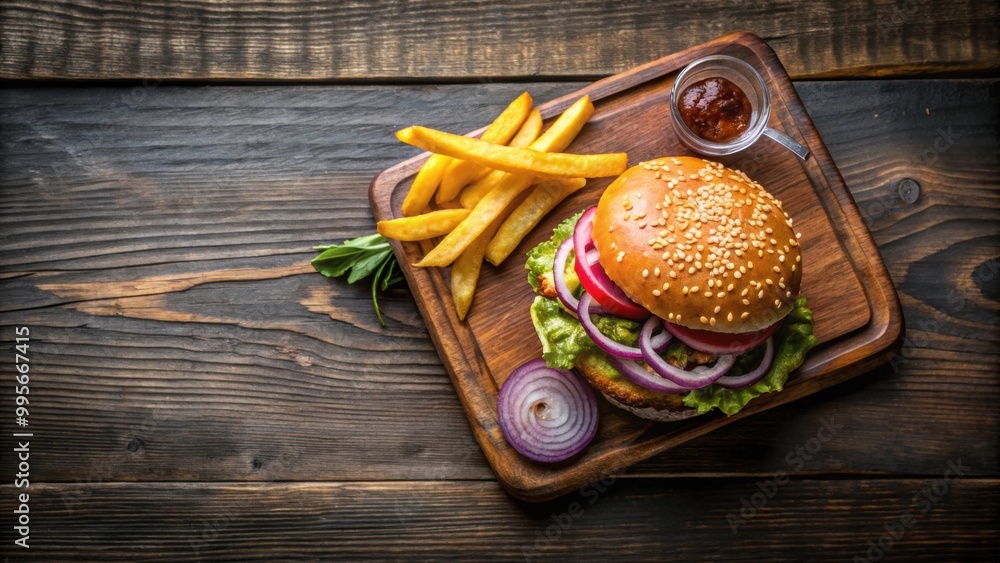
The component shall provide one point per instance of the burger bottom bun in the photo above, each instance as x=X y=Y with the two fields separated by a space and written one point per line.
x=665 y=415
x=628 y=396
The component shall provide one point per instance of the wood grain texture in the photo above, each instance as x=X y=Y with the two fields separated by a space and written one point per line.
x=661 y=520
x=859 y=321
x=476 y=39
x=280 y=375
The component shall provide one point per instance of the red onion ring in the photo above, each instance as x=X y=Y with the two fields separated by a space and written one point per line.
x=559 y=276
x=753 y=376
x=700 y=376
x=609 y=346
x=546 y=414
x=593 y=277
x=636 y=373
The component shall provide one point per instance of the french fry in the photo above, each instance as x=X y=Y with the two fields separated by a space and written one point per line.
x=480 y=217
x=465 y=270
x=421 y=227
x=425 y=184
x=512 y=159
x=526 y=135
x=542 y=199
x=556 y=138
x=504 y=127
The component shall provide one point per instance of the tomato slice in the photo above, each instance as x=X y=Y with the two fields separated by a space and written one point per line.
x=721 y=343
x=594 y=279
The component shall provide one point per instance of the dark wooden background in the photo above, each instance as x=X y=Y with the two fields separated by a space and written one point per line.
x=197 y=392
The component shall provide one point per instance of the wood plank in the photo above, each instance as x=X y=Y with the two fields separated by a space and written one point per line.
x=694 y=519
x=476 y=40
x=98 y=189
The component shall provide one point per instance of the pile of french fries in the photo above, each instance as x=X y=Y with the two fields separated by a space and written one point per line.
x=483 y=196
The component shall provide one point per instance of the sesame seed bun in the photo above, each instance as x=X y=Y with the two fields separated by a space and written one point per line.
x=699 y=245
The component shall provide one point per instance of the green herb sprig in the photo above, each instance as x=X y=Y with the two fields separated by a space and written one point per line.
x=360 y=258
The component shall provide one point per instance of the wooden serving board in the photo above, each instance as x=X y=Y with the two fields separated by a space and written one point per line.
x=858 y=318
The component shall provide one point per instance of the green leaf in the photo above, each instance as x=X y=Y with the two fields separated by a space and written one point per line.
x=360 y=258
x=791 y=341
x=540 y=258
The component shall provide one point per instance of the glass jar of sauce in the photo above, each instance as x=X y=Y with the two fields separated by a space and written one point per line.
x=720 y=105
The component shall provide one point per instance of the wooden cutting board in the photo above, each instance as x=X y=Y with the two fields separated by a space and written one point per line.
x=859 y=323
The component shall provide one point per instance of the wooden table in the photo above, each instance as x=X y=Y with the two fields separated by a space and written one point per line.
x=197 y=392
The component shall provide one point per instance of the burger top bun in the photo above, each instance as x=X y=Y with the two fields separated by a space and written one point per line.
x=699 y=245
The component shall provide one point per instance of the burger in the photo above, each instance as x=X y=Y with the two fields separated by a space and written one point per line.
x=677 y=294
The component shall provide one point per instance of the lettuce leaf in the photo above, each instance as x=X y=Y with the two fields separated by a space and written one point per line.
x=792 y=340
x=563 y=337
x=540 y=258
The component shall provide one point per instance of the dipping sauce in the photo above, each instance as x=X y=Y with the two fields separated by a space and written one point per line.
x=715 y=109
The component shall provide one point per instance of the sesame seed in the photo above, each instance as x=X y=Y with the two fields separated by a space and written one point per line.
x=684 y=290
x=769 y=282
x=744 y=315
x=744 y=292
x=708 y=294
x=749 y=265
x=656 y=271
x=731 y=286
x=721 y=294
x=656 y=293
x=777 y=303
x=793 y=267
x=673 y=274
x=645 y=273
x=704 y=320
x=691 y=270
x=760 y=294
x=746 y=301
x=781 y=258
x=694 y=289
x=718 y=308
x=666 y=286
x=729 y=317
x=711 y=321
x=777 y=269
x=737 y=275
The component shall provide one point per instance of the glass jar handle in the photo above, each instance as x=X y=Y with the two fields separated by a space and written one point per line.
x=788 y=142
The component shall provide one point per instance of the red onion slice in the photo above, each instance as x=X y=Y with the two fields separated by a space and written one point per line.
x=636 y=373
x=609 y=346
x=696 y=378
x=559 y=276
x=546 y=414
x=593 y=277
x=753 y=376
